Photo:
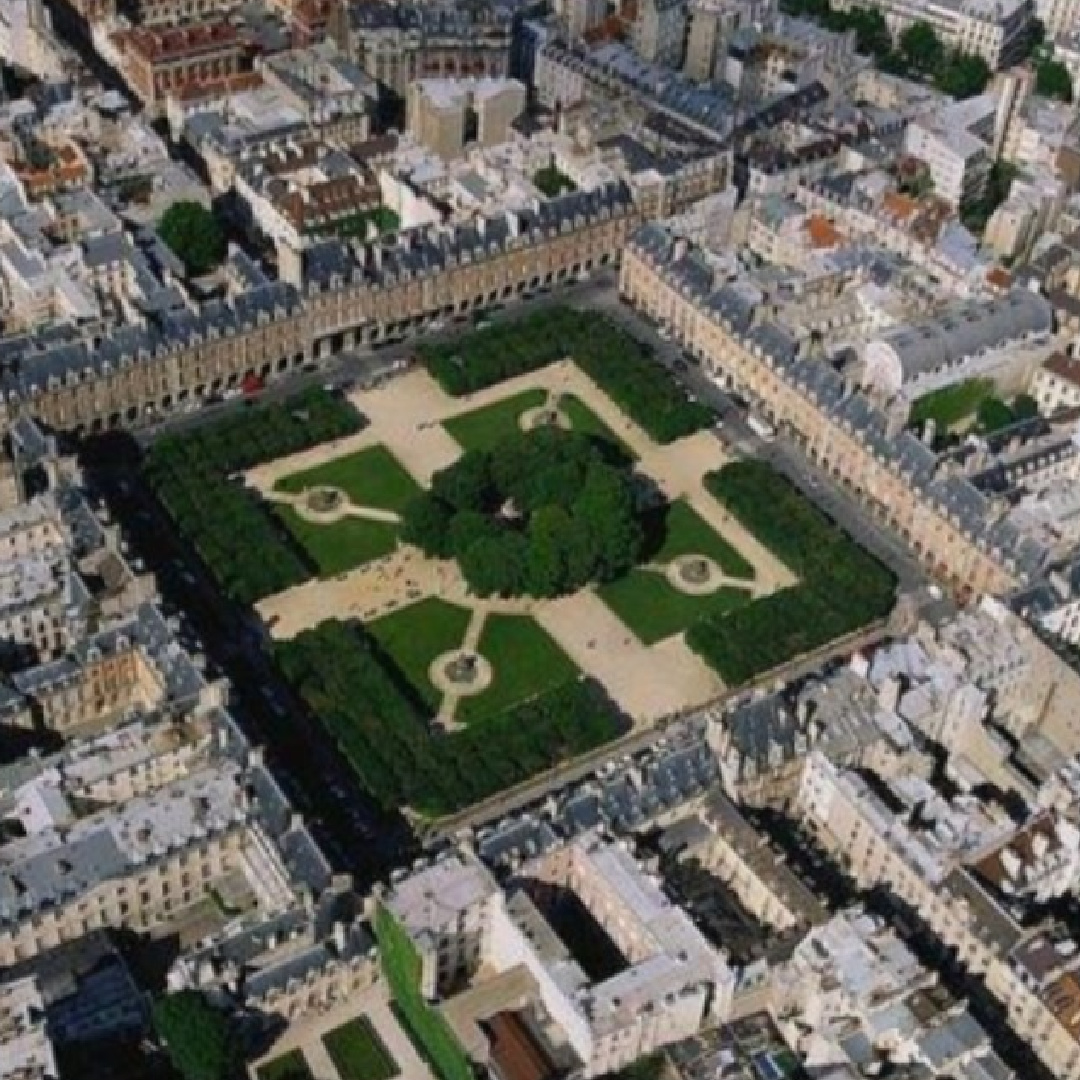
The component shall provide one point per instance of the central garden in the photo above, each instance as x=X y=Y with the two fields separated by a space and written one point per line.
x=440 y=699
x=541 y=514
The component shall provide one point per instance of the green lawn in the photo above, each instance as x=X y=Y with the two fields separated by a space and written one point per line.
x=370 y=477
x=526 y=662
x=654 y=610
x=951 y=404
x=687 y=533
x=290 y=1066
x=415 y=635
x=484 y=428
x=339 y=545
x=358 y=1053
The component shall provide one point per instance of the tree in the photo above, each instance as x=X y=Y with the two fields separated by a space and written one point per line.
x=496 y=565
x=872 y=37
x=1025 y=407
x=468 y=527
x=550 y=539
x=199 y=1039
x=963 y=76
x=425 y=522
x=1052 y=80
x=465 y=485
x=993 y=415
x=921 y=47
x=194 y=235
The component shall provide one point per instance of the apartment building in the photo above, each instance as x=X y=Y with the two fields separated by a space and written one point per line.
x=954 y=145
x=159 y=61
x=992 y=29
x=711 y=26
x=933 y=860
x=946 y=521
x=26 y=1051
x=176 y=12
x=396 y=44
x=193 y=823
x=659 y=31
x=962 y=339
x=925 y=233
x=565 y=76
x=329 y=91
x=451 y=116
x=129 y=669
x=723 y=842
x=853 y=991
x=666 y=983
x=1056 y=384
x=297 y=191
x=1060 y=17
x=1053 y=604
x=387 y=289
x=583 y=16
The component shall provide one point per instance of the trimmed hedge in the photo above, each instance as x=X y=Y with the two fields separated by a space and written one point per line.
x=199 y=1039
x=424 y=1025
x=619 y=364
x=841 y=589
x=247 y=551
x=384 y=732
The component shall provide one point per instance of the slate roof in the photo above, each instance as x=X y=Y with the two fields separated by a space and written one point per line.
x=954 y=496
x=967 y=329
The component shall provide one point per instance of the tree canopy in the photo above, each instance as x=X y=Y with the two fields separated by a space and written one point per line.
x=962 y=76
x=623 y=368
x=194 y=235
x=541 y=514
x=921 y=47
x=199 y=1039
x=1052 y=80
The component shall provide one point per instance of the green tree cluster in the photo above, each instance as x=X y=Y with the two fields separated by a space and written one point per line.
x=199 y=1039
x=241 y=544
x=994 y=414
x=384 y=732
x=552 y=181
x=955 y=73
x=425 y=1026
x=541 y=514
x=919 y=51
x=194 y=235
x=623 y=368
x=1052 y=80
x=841 y=588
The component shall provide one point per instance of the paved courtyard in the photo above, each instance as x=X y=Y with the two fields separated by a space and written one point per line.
x=306 y=1036
x=406 y=416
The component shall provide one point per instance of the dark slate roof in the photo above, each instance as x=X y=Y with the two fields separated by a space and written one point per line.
x=420 y=252
x=968 y=328
x=28 y=364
